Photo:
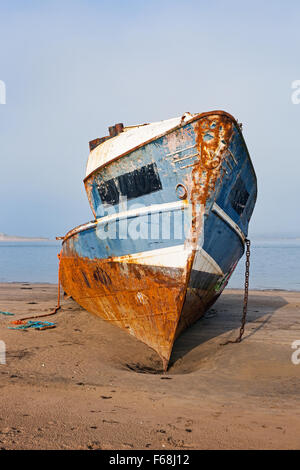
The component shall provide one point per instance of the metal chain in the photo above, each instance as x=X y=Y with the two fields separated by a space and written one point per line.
x=242 y=329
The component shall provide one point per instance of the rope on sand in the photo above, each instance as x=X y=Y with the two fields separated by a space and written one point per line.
x=53 y=312
x=38 y=325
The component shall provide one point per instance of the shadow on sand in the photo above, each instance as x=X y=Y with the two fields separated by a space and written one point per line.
x=223 y=317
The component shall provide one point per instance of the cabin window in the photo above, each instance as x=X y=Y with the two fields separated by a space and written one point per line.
x=239 y=196
x=134 y=184
x=108 y=192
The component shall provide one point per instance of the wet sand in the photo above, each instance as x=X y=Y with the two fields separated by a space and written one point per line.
x=88 y=385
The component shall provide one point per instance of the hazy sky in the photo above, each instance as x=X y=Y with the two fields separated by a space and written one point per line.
x=73 y=68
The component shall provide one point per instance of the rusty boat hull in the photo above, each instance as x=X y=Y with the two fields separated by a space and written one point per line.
x=172 y=203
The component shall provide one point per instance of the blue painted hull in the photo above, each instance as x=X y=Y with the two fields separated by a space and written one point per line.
x=171 y=217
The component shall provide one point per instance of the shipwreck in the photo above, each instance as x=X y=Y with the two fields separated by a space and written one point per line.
x=171 y=202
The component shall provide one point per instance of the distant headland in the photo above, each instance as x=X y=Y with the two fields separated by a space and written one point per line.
x=15 y=238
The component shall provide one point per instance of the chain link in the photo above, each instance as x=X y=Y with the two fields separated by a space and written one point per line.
x=247 y=270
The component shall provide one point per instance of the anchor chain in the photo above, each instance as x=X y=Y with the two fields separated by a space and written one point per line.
x=245 y=306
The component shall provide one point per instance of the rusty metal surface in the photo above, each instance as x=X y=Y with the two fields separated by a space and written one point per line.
x=119 y=127
x=113 y=132
x=145 y=301
x=213 y=133
x=94 y=143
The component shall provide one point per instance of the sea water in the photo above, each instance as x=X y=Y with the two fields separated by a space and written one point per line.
x=274 y=264
x=29 y=261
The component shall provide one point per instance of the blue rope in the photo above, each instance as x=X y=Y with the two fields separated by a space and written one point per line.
x=32 y=324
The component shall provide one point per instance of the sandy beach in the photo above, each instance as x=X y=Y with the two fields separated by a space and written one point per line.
x=87 y=385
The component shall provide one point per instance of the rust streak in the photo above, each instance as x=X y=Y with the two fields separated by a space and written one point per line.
x=213 y=134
